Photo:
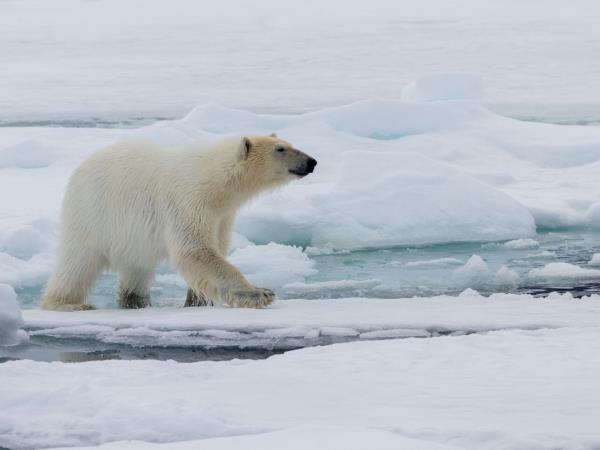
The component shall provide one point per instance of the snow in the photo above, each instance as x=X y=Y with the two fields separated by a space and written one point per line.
x=355 y=213
x=11 y=319
x=474 y=273
x=293 y=438
x=272 y=265
x=564 y=271
x=506 y=279
x=148 y=59
x=326 y=289
x=400 y=103
x=27 y=155
x=434 y=262
x=502 y=389
x=544 y=254
x=446 y=86
x=595 y=261
x=390 y=173
x=373 y=154
x=592 y=215
x=315 y=321
x=522 y=244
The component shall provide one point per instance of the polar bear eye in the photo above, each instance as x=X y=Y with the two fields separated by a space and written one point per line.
x=280 y=149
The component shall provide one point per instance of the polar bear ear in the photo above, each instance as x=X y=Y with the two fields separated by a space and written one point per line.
x=273 y=135
x=244 y=150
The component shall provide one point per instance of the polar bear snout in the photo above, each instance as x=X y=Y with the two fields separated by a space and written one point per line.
x=308 y=166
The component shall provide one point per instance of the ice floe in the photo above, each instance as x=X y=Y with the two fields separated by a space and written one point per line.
x=11 y=320
x=502 y=389
x=293 y=323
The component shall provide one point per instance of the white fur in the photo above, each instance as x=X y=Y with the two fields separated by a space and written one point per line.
x=133 y=204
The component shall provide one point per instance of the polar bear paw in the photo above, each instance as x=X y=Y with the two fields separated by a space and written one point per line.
x=74 y=307
x=197 y=299
x=255 y=298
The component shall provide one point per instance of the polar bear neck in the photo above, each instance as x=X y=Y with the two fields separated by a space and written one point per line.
x=223 y=181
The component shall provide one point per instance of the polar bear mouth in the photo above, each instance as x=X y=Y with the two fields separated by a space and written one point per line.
x=299 y=173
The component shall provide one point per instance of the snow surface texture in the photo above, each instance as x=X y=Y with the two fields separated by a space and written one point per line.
x=147 y=58
x=11 y=319
x=293 y=323
x=501 y=390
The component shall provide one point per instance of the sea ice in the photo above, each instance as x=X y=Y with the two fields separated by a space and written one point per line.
x=272 y=265
x=595 y=261
x=564 y=271
x=447 y=86
x=474 y=274
x=434 y=262
x=506 y=279
x=384 y=198
x=11 y=319
x=522 y=244
x=390 y=173
x=318 y=54
x=294 y=438
x=317 y=318
x=502 y=389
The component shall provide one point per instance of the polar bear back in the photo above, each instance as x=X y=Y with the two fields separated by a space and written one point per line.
x=115 y=202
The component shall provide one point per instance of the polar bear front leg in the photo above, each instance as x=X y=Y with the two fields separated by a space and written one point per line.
x=207 y=265
x=209 y=295
x=134 y=287
x=193 y=299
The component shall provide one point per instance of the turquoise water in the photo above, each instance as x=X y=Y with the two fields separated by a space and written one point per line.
x=389 y=272
x=399 y=276
x=399 y=271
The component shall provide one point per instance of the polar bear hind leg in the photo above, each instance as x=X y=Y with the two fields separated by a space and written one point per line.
x=76 y=272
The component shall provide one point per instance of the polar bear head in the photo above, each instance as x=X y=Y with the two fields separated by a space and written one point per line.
x=271 y=161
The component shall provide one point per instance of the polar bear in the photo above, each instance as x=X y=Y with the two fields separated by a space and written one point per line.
x=133 y=204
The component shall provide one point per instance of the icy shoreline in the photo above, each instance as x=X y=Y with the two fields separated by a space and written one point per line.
x=298 y=323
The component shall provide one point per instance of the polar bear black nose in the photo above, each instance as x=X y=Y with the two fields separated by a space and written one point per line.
x=310 y=164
